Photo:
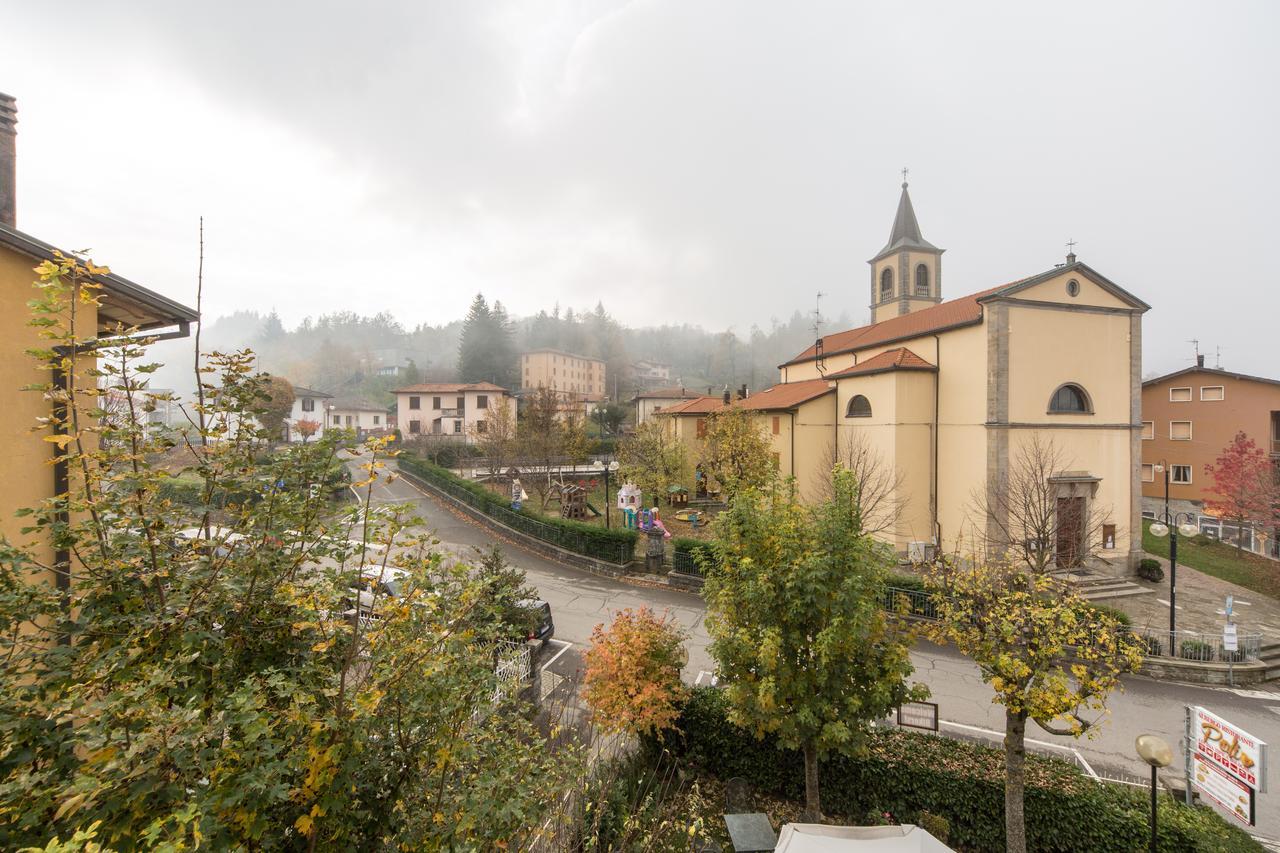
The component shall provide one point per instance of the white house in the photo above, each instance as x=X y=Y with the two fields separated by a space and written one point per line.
x=648 y=402
x=450 y=408
x=359 y=415
x=308 y=405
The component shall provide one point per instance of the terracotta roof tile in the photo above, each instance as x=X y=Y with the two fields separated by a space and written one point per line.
x=697 y=406
x=786 y=396
x=894 y=359
x=667 y=394
x=957 y=312
x=449 y=387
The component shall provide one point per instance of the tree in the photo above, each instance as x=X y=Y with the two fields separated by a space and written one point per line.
x=541 y=441
x=735 y=451
x=610 y=416
x=473 y=348
x=498 y=440
x=412 y=374
x=307 y=428
x=577 y=444
x=1047 y=653
x=275 y=406
x=652 y=458
x=632 y=682
x=1246 y=486
x=881 y=498
x=793 y=609
x=1036 y=515
x=193 y=683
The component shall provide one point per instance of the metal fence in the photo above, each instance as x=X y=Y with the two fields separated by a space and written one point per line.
x=685 y=563
x=909 y=602
x=1206 y=648
x=589 y=544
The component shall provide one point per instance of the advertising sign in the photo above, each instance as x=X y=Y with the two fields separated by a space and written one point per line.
x=1232 y=750
x=1229 y=793
x=1230 y=639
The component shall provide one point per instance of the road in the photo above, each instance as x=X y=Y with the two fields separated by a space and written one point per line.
x=580 y=600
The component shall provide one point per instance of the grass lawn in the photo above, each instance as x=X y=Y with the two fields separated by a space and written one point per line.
x=1222 y=561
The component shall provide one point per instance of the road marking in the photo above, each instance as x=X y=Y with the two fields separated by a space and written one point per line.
x=1166 y=604
x=1264 y=695
x=1079 y=758
x=710 y=676
x=567 y=645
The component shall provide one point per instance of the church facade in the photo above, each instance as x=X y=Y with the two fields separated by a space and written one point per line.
x=947 y=397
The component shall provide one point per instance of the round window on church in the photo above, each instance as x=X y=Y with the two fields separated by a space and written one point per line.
x=1073 y=288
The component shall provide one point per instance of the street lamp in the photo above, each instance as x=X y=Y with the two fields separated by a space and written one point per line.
x=1171 y=524
x=1156 y=753
x=607 y=463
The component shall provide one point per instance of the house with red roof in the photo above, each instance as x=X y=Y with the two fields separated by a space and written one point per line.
x=945 y=397
x=464 y=410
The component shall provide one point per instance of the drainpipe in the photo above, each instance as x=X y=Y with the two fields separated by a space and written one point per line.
x=793 y=441
x=933 y=486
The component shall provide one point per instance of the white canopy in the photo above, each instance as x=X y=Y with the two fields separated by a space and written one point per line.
x=819 y=838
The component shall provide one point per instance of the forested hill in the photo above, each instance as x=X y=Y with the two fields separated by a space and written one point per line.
x=343 y=353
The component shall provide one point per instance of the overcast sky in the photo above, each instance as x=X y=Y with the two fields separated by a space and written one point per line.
x=718 y=163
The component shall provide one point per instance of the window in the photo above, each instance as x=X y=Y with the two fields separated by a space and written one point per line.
x=482 y=401
x=922 y=280
x=1149 y=513
x=1073 y=288
x=777 y=425
x=337 y=420
x=1180 y=430
x=1180 y=474
x=777 y=461
x=482 y=426
x=457 y=427
x=1179 y=395
x=1069 y=400
x=348 y=420
x=859 y=407
x=462 y=403
x=701 y=427
x=415 y=427
x=415 y=402
x=1148 y=472
x=435 y=402
x=308 y=404
x=886 y=284
x=377 y=419
x=1148 y=430
x=1212 y=393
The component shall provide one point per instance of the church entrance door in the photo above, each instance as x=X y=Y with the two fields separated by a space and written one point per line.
x=1070 y=531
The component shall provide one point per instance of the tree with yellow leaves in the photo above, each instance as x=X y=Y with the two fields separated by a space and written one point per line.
x=1048 y=654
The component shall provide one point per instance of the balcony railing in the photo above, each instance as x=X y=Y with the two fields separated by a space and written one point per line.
x=451 y=413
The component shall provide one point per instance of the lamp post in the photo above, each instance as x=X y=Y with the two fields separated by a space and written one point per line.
x=1171 y=524
x=1157 y=754
x=607 y=462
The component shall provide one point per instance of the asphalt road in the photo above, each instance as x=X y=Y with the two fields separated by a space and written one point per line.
x=580 y=600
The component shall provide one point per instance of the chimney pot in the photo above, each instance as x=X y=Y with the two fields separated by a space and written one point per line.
x=8 y=161
x=726 y=395
x=1199 y=360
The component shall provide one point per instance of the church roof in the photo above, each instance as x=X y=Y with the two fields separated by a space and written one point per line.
x=788 y=395
x=906 y=230
x=894 y=359
x=964 y=311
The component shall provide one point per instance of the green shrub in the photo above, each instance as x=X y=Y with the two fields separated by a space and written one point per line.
x=906 y=773
x=1149 y=569
x=1115 y=613
x=616 y=545
x=1195 y=650
x=936 y=825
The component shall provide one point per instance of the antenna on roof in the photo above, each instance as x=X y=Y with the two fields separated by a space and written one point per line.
x=817 y=316
x=1217 y=358
x=1195 y=343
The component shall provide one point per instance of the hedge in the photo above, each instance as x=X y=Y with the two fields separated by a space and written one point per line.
x=612 y=545
x=906 y=772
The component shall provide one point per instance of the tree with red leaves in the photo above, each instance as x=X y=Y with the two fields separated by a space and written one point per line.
x=307 y=428
x=633 y=672
x=1245 y=487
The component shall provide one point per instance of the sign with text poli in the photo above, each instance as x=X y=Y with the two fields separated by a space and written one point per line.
x=1230 y=749
x=1232 y=795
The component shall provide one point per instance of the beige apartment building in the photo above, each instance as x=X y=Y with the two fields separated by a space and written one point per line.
x=574 y=377
x=948 y=395
x=1188 y=418
x=461 y=410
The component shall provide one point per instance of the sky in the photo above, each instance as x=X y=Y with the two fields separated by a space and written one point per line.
x=718 y=163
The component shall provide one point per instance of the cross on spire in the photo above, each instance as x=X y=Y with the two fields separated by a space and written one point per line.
x=904 y=175
x=1071 y=246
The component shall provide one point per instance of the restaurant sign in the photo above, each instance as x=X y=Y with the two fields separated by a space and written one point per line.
x=1232 y=750
x=1229 y=793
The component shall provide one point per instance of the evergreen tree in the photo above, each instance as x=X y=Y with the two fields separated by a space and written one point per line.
x=502 y=350
x=473 y=357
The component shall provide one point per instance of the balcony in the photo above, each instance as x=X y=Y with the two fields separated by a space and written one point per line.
x=450 y=413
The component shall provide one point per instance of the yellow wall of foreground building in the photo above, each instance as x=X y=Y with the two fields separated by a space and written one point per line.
x=26 y=473
x=1048 y=348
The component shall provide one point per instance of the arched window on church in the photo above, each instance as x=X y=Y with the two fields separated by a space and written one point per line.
x=886 y=284
x=1070 y=400
x=922 y=280
x=859 y=407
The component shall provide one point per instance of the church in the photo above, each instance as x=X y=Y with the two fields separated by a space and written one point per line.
x=948 y=398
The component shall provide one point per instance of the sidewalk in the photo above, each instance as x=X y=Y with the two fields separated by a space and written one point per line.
x=1201 y=600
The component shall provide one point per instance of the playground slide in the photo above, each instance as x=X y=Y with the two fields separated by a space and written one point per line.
x=592 y=509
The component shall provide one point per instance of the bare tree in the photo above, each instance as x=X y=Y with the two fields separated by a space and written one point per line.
x=495 y=436
x=881 y=497
x=1040 y=513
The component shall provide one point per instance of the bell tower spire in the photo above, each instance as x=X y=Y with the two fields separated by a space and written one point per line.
x=906 y=275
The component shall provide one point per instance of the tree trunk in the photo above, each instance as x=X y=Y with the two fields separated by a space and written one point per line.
x=1015 y=755
x=812 y=807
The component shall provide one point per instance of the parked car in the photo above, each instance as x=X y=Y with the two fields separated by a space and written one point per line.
x=544 y=627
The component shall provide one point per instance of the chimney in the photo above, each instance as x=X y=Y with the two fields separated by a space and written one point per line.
x=8 y=161
x=727 y=396
x=742 y=392
x=1199 y=360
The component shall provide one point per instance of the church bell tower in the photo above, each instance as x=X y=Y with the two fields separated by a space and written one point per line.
x=906 y=275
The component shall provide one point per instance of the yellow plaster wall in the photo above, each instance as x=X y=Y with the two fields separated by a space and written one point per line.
x=1055 y=290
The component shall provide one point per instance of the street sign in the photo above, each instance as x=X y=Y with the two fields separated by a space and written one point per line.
x=1233 y=796
x=1230 y=600
x=1230 y=640
x=1230 y=749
